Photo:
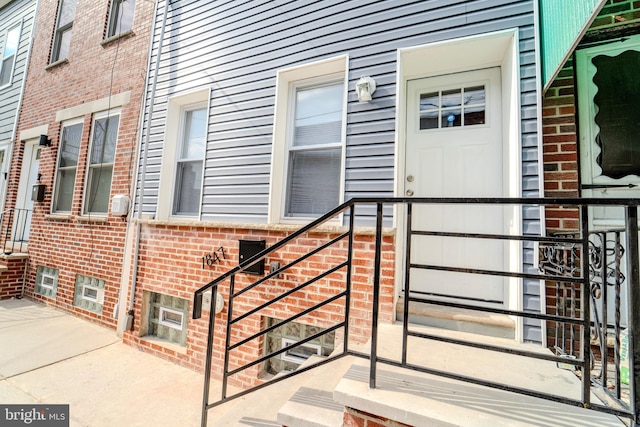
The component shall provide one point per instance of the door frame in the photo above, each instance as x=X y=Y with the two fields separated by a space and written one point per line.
x=24 y=193
x=496 y=49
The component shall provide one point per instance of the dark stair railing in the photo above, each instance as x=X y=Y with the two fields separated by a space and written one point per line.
x=15 y=225
x=581 y=321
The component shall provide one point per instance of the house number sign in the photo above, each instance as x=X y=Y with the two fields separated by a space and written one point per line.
x=216 y=256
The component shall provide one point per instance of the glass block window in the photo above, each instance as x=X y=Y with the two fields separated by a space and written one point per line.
x=89 y=293
x=46 y=281
x=287 y=336
x=168 y=318
x=453 y=108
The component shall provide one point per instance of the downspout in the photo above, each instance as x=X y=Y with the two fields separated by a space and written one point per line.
x=147 y=137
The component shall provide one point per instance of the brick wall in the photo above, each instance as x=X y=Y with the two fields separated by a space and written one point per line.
x=11 y=275
x=94 y=70
x=355 y=418
x=171 y=263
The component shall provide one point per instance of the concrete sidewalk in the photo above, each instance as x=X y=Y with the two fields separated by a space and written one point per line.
x=50 y=357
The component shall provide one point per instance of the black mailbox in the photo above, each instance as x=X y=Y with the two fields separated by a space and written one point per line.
x=37 y=193
x=249 y=248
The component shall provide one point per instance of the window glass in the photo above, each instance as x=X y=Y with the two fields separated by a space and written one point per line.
x=121 y=17
x=315 y=156
x=618 y=116
x=62 y=37
x=189 y=166
x=452 y=108
x=168 y=317
x=102 y=155
x=9 y=55
x=67 y=165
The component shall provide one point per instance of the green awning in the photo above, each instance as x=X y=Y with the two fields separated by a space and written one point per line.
x=562 y=25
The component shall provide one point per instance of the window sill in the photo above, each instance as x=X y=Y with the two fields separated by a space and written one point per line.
x=153 y=340
x=57 y=64
x=58 y=217
x=111 y=39
x=93 y=218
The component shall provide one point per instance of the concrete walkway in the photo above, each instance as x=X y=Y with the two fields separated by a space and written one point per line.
x=50 y=357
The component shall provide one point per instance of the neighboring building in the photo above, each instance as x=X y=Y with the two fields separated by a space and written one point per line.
x=591 y=122
x=252 y=127
x=16 y=28
x=75 y=149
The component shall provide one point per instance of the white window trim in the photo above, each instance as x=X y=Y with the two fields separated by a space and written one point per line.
x=321 y=71
x=15 y=55
x=87 y=165
x=99 y=294
x=169 y=324
x=48 y=276
x=286 y=342
x=55 y=178
x=176 y=107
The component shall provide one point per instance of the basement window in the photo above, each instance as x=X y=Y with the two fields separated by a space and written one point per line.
x=167 y=318
x=46 y=281
x=89 y=293
x=288 y=335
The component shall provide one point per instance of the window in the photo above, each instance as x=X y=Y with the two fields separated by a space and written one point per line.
x=46 y=281
x=189 y=165
x=315 y=150
x=120 y=17
x=9 y=55
x=67 y=166
x=89 y=293
x=307 y=172
x=64 y=26
x=167 y=318
x=452 y=108
x=183 y=155
x=299 y=353
x=100 y=169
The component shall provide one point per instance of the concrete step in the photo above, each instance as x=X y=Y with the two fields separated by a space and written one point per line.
x=310 y=407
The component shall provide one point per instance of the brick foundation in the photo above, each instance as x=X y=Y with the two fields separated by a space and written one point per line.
x=355 y=418
x=11 y=276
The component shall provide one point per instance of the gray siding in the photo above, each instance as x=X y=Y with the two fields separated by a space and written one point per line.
x=12 y=14
x=236 y=48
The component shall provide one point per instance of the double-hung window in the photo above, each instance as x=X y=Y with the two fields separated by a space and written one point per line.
x=9 y=55
x=100 y=168
x=67 y=166
x=64 y=26
x=315 y=149
x=307 y=167
x=120 y=17
x=190 y=162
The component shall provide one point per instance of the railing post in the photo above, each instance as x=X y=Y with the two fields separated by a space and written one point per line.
x=347 y=302
x=633 y=292
x=585 y=296
x=376 y=298
x=207 y=365
x=407 y=277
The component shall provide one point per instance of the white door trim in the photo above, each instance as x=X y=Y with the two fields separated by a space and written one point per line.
x=498 y=49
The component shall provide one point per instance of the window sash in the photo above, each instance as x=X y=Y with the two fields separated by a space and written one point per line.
x=121 y=17
x=64 y=27
x=190 y=163
x=314 y=160
x=100 y=170
x=67 y=166
x=9 y=55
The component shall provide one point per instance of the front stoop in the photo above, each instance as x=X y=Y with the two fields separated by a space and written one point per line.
x=12 y=275
x=310 y=407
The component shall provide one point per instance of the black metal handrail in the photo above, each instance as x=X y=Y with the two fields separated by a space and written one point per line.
x=582 y=320
x=15 y=225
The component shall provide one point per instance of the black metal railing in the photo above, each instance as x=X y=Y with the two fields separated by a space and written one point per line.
x=14 y=233
x=579 y=320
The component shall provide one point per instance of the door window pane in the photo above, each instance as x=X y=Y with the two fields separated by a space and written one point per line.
x=452 y=108
x=618 y=113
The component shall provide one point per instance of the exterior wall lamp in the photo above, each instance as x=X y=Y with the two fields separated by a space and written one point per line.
x=365 y=87
x=44 y=141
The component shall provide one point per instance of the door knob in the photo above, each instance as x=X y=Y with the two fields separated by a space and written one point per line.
x=409 y=193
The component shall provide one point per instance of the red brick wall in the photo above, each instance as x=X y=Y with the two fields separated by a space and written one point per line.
x=11 y=279
x=93 y=71
x=355 y=418
x=171 y=263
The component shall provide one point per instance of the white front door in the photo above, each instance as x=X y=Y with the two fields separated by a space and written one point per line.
x=454 y=149
x=28 y=178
